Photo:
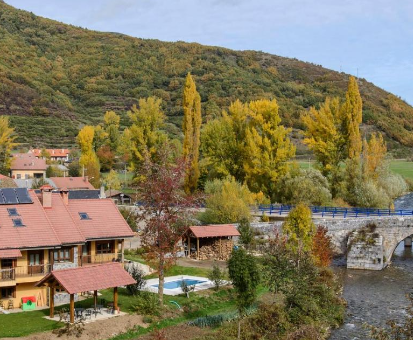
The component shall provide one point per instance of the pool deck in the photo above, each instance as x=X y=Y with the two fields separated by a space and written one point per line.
x=177 y=291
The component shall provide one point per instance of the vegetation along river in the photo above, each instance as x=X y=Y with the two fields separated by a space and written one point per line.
x=375 y=296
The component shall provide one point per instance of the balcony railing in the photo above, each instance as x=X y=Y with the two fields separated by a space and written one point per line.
x=11 y=274
x=100 y=258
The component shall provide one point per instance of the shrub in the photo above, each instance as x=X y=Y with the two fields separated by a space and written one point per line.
x=216 y=275
x=147 y=303
x=394 y=185
x=264 y=218
x=138 y=275
x=247 y=233
x=186 y=289
x=228 y=201
x=322 y=249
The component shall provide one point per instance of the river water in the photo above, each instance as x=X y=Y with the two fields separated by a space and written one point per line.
x=373 y=297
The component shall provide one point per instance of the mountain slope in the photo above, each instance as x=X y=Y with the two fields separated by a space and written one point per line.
x=56 y=77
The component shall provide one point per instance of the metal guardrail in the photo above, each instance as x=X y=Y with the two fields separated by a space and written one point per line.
x=335 y=211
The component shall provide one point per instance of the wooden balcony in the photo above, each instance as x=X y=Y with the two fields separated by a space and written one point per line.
x=99 y=258
x=11 y=276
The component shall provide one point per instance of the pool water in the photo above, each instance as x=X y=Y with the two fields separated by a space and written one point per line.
x=177 y=284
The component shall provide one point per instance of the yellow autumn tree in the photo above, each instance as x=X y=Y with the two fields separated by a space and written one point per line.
x=192 y=129
x=374 y=152
x=352 y=118
x=323 y=135
x=111 y=125
x=88 y=159
x=145 y=135
x=267 y=147
x=7 y=138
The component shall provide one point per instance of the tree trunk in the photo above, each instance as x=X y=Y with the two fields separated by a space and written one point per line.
x=161 y=278
x=239 y=329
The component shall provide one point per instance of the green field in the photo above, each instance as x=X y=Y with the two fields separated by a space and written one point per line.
x=401 y=167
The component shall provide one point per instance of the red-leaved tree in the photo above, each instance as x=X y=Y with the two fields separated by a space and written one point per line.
x=322 y=249
x=166 y=210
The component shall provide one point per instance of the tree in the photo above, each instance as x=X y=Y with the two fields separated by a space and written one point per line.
x=268 y=147
x=139 y=276
x=299 y=229
x=106 y=157
x=324 y=136
x=164 y=210
x=112 y=181
x=125 y=146
x=45 y=155
x=352 y=112
x=145 y=135
x=191 y=126
x=322 y=248
x=374 y=152
x=7 y=138
x=216 y=275
x=88 y=159
x=111 y=125
x=247 y=233
x=244 y=275
x=228 y=201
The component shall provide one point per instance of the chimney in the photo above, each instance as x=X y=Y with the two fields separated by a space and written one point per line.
x=86 y=178
x=46 y=196
x=65 y=195
x=102 y=192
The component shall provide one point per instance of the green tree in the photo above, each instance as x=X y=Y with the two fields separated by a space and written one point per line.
x=352 y=111
x=191 y=127
x=111 y=125
x=299 y=229
x=227 y=201
x=216 y=275
x=247 y=233
x=145 y=133
x=244 y=274
x=7 y=138
x=112 y=181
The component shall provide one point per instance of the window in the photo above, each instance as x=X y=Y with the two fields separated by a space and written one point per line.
x=19 y=176
x=8 y=292
x=104 y=247
x=13 y=212
x=84 y=216
x=62 y=255
x=26 y=176
x=18 y=222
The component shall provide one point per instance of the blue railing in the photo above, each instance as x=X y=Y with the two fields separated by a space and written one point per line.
x=279 y=209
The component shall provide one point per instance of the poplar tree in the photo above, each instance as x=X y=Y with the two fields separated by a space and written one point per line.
x=374 y=152
x=191 y=128
x=88 y=158
x=7 y=143
x=352 y=118
x=111 y=125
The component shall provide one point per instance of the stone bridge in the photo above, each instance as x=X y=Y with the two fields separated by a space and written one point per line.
x=374 y=250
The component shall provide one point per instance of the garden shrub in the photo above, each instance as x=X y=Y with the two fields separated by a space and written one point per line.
x=147 y=303
x=138 y=275
x=216 y=275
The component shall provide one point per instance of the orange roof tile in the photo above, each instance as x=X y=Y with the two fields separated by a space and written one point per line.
x=52 y=152
x=105 y=219
x=24 y=162
x=220 y=230
x=72 y=183
x=10 y=253
x=93 y=277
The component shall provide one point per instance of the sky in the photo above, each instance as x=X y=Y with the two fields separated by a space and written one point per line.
x=369 y=38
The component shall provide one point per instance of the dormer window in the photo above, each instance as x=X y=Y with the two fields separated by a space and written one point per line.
x=17 y=222
x=84 y=216
x=13 y=212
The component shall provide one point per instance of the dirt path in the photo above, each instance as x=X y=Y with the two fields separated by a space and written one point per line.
x=99 y=330
x=178 y=332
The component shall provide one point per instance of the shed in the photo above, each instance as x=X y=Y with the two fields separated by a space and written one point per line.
x=209 y=242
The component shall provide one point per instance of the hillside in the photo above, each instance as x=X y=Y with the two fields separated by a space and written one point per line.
x=55 y=77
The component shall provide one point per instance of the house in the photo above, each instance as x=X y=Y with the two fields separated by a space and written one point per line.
x=28 y=183
x=209 y=242
x=72 y=183
x=25 y=166
x=118 y=197
x=55 y=154
x=44 y=231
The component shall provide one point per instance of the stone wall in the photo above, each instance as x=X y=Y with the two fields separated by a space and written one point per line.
x=365 y=255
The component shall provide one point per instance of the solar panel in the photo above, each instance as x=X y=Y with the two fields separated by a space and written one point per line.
x=1 y=197
x=18 y=222
x=23 y=195
x=10 y=196
x=13 y=212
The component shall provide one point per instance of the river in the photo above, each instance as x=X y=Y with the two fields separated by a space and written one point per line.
x=373 y=297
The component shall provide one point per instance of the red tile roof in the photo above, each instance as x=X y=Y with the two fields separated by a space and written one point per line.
x=105 y=221
x=52 y=152
x=3 y=177
x=10 y=253
x=72 y=183
x=93 y=277
x=220 y=230
x=65 y=227
x=36 y=232
x=24 y=162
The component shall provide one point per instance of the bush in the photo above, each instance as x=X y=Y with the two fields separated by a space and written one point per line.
x=322 y=249
x=186 y=289
x=228 y=201
x=394 y=185
x=216 y=275
x=247 y=233
x=304 y=186
x=147 y=303
x=138 y=275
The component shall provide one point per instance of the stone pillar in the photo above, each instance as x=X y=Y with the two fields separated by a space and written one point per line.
x=408 y=242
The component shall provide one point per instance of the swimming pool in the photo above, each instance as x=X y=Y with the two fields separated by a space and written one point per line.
x=177 y=284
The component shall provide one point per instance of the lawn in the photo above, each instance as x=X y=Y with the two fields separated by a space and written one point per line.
x=401 y=167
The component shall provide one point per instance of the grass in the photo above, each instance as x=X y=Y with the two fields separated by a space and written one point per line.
x=401 y=167
x=180 y=270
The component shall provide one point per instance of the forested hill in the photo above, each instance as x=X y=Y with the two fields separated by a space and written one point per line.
x=55 y=77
